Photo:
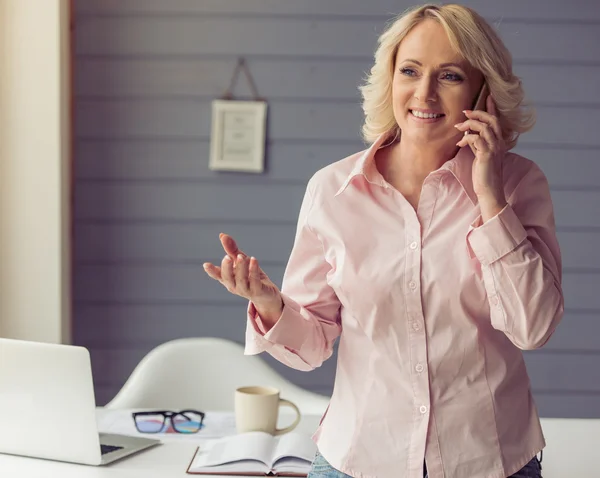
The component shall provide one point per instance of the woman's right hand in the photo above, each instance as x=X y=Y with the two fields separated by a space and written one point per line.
x=242 y=276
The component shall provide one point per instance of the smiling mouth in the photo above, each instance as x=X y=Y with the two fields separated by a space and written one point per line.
x=418 y=114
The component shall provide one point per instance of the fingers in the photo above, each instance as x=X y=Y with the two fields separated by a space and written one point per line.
x=234 y=276
x=213 y=271
x=486 y=118
x=255 y=275
x=255 y=271
x=248 y=276
x=238 y=273
x=230 y=246
x=242 y=282
x=484 y=130
x=227 y=276
x=473 y=140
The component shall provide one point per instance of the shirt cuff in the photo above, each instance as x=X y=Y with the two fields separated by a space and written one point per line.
x=256 y=321
x=285 y=330
x=277 y=340
x=255 y=333
x=497 y=237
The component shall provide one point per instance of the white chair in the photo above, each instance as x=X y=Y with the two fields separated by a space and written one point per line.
x=203 y=373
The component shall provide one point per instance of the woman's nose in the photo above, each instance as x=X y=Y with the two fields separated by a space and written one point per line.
x=426 y=90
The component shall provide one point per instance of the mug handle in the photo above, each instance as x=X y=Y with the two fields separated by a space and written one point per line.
x=284 y=402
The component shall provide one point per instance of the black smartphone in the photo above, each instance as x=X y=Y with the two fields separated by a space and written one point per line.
x=480 y=104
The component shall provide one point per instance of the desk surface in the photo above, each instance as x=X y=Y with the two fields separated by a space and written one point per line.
x=571 y=451
x=170 y=459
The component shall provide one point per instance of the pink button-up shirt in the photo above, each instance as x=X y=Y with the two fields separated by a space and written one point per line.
x=432 y=308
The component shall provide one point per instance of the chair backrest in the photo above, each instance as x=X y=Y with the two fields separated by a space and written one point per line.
x=203 y=373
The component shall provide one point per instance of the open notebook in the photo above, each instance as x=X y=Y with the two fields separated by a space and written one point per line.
x=255 y=453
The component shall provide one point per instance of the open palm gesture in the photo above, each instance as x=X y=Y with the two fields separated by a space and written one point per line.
x=241 y=275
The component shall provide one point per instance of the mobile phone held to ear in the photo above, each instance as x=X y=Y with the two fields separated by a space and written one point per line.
x=481 y=98
x=480 y=104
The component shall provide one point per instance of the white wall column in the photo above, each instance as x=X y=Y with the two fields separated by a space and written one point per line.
x=35 y=170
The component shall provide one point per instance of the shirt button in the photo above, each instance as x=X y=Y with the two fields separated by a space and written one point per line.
x=495 y=300
x=416 y=325
x=412 y=284
x=419 y=367
x=413 y=245
x=423 y=409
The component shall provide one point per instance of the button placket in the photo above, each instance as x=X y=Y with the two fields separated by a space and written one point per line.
x=416 y=320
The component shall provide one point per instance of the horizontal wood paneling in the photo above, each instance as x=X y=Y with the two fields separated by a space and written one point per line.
x=188 y=201
x=568 y=405
x=152 y=283
x=244 y=202
x=162 y=322
x=159 y=323
x=180 y=242
x=185 y=119
x=188 y=282
x=201 y=35
x=531 y=10
x=577 y=208
x=188 y=160
x=190 y=77
x=148 y=210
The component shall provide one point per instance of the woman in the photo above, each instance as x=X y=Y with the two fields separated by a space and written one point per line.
x=432 y=255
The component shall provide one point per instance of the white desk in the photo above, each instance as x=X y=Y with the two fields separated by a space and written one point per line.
x=572 y=448
x=168 y=460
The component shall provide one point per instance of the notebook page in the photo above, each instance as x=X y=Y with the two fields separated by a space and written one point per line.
x=244 y=466
x=293 y=465
x=294 y=445
x=245 y=446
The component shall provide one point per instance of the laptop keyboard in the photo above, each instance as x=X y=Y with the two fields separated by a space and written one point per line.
x=104 y=449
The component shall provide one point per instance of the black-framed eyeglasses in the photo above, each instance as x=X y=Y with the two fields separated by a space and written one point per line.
x=184 y=421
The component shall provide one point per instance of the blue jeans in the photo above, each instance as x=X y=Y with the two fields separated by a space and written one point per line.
x=322 y=469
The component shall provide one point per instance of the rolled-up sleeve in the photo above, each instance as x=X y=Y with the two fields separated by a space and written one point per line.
x=304 y=334
x=521 y=263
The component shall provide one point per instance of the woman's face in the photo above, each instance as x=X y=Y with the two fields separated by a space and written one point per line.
x=432 y=86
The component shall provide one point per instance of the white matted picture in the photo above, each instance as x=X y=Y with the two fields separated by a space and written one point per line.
x=238 y=136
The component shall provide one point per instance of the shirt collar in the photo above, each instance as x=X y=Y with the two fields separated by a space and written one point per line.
x=366 y=167
x=460 y=166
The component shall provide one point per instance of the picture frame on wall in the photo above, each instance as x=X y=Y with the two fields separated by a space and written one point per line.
x=238 y=134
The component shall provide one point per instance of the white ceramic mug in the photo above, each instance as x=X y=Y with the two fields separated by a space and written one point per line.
x=257 y=409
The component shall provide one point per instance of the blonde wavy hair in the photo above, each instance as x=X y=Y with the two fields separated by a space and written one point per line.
x=476 y=41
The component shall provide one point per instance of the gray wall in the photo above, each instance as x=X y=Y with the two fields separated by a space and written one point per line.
x=148 y=210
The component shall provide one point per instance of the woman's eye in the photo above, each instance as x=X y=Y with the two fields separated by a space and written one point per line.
x=452 y=76
x=407 y=71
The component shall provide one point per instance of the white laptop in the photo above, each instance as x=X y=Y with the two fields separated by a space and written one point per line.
x=48 y=406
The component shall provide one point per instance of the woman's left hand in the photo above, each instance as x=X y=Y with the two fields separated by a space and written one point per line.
x=490 y=148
